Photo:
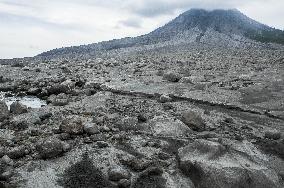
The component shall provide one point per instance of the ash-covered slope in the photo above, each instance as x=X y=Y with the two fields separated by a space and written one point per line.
x=190 y=26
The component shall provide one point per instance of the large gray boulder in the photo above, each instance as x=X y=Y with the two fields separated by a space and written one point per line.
x=117 y=173
x=210 y=164
x=166 y=126
x=4 y=112
x=18 y=108
x=50 y=148
x=72 y=125
x=172 y=76
x=193 y=120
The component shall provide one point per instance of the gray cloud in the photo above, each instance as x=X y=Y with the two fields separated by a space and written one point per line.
x=49 y=24
x=7 y=18
x=150 y=8
x=136 y=23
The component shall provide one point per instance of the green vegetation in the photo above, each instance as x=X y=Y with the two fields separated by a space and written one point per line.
x=266 y=36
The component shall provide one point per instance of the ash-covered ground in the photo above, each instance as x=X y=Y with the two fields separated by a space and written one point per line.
x=202 y=109
x=187 y=116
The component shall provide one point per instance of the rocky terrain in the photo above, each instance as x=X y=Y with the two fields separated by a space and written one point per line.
x=196 y=107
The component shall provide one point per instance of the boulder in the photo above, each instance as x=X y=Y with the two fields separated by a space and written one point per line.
x=171 y=77
x=210 y=164
x=164 y=126
x=186 y=80
x=18 y=108
x=127 y=123
x=60 y=100
x=193 y=120
x=72 y=125
x=117 y=173
x=50 y=148
x=165 y=98
x=64 y=87
x=34 y=91
x=273 y=134
x=4 y=112
x=91 y=128
x=6 y=169
x=17 y=152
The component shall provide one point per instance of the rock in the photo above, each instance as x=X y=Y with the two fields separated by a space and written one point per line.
x=91 y=128
x=60 y=100
x=134 y=163
x=6 y=174
x=212 y=165
x=66 y=147
x=271 y=146
x=124 y=183
x=18 y=108
x=6 y=160
x=72 y=125
x=102 y=144
x=4 y=112
x=164 y=126
x=160 y=73
x=19 y=124
x=165 y=98
x=127 y=123
x=117 y=173
x=34 y=91
x=26 y=68
x=6 y=169
x=58 y=88
x=17 y=152
x=151 y=177
x=273 y=134
x=186 y=80
x=193 y=120
x=196 y=79
x=64 y=136
x=69 y=84
x=142 y=118
x=98 y=137
x=171 y=77
x=50 y=148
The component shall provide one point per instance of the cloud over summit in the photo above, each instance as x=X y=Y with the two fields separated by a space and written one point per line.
x=47 y=24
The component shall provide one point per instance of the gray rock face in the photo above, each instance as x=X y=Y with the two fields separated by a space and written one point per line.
x=17 y=152
x=6 y=168
x=214 y=165
x=163 y=126
x=4 y=112
x=275 y=135
x=172 y=77
x=18 y=108
x=127 y=123
x=91 y=128
x=64 y=87
x=165 y=98
x=117 y=173
x=187 y=80
x=50 y=148
x=72 y=125
x=193 y=120
x=60 y=100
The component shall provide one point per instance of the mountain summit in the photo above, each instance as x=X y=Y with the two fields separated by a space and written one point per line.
x=227 y=22
x=195 y=25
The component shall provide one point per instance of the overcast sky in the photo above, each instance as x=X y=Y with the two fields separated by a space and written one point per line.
x=29 y=27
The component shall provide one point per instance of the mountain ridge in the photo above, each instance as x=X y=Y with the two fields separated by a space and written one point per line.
x=228 y=22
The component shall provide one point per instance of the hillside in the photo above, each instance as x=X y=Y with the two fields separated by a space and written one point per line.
x=190 y=26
